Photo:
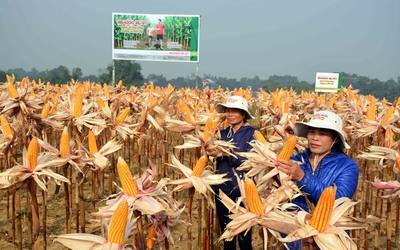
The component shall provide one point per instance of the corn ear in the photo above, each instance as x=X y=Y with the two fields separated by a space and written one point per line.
x=106 y=90
x=151 y=237
x=116 y=233
x=126 y=178
x=33 y=150
x=287 y=150
x=200 y=165
x=46 y=110
x=12 y=91
x=259 y=136
x=286 y=107
x=323 y=210
x=208 y=129
x=78 y=104
x=389 y=112
x=389 y=138
x=100 y=102
x=5 y=126
x=121 y=118
x=64 y=142
x=397 y=164
x=92 y=143
x=252 y=197
x=371 y=113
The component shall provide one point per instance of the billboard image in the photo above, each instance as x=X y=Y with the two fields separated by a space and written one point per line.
x=155 y=37
x=328 y=82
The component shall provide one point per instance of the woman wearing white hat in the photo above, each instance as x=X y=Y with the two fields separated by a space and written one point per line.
x=324 y=162
x=241 y=133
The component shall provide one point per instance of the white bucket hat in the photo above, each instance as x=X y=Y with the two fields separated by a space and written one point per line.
x=236 y=102
x=322 y=119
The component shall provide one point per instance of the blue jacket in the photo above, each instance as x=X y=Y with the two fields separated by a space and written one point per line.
x=335 y=168
x=226 y=164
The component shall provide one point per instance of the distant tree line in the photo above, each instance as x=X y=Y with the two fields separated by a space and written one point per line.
x=130 y=74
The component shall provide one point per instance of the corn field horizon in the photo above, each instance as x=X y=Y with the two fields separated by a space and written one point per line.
x=131 y=166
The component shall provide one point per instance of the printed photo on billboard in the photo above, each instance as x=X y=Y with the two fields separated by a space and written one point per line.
x=155 y=37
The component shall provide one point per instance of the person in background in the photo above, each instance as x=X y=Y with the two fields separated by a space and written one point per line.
x=237 y=114
x=160 y=33
x=150 y=33
x=324 y=162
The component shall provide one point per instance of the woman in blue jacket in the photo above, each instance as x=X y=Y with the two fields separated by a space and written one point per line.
x=324 y=162
x=241 y=133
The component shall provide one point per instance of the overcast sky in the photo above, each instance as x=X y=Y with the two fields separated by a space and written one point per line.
x=237 y=38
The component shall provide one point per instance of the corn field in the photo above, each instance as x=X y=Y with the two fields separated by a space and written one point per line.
x=132 y=166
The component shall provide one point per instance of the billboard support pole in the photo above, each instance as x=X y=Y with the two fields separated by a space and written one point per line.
x=197 y=74
x=113 y=73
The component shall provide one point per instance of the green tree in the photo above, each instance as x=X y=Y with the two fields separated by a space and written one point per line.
x=3 y=75
x=127 y=71
x=91 y=78
x=158 y=80
x=76 y=74
x=58 y=75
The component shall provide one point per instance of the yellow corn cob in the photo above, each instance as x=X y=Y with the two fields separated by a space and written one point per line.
x=287 y=150
x=100 y=102
x=151 y=237
x=45 y=111
x=78 y=104
x=397 y=165
x=54 y=107
x=252 y=197
x=5 y=126
x=132 y=99
x=10 y=79
x=106 y=90
x=126 y=178
x=152 y=103
x=92 y=143
x=22 y=83
x=32 y=154
x=286 y=107
x=118 y=222
x=389 y=112
x=323 y=210
x=200 y=165
x=122 y=116
x=208 y=129
x=389 y=140
x=119 y=85
x=151 y=87
x=371 y=113
x=316 y=100
x=64 y=142
x=12 y=91
x=259 y=137
x=86 y=86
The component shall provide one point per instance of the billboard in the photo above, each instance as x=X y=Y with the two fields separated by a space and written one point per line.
x=328 y=82
x=155 y=37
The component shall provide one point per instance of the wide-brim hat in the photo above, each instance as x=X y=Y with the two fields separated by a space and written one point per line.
x=322 y=119
x=236 y=102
